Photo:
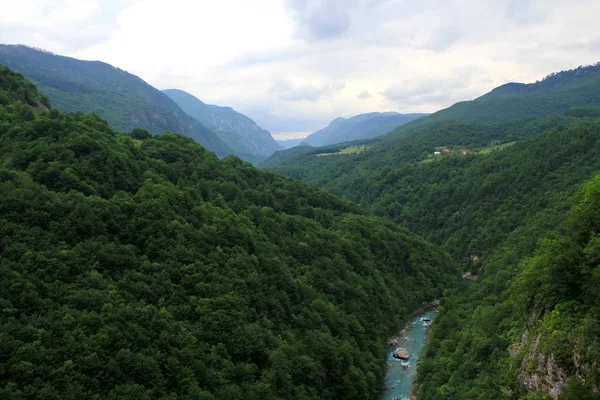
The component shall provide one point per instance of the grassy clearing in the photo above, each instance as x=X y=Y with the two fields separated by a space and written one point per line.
x=456 y=151
x=346 y=150
x=490 y=148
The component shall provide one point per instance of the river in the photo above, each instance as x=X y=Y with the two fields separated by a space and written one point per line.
x=399 y=379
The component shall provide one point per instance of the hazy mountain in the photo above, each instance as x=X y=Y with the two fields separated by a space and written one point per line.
x=504 y=114
x=241 y=133
x=123 y=99
x=363 y=126
x=289 y=143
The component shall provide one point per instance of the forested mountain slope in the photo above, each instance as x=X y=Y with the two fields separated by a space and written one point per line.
x=147 y=268
x=237 y=130
x=554 y=94
x=347 y=174
x=524 y=329
x=363 y=126
x=508 y=113
x=123 y=99
x=528 y=329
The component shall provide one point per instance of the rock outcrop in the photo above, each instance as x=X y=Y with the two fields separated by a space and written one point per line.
x=401 y=354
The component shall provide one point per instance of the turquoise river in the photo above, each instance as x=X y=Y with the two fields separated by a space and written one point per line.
x=400 y=374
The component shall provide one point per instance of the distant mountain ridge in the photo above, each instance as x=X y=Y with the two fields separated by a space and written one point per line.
x=552 y=95
x=123 y=99
x=240 y=132
x=362 y=126
x=289 y=143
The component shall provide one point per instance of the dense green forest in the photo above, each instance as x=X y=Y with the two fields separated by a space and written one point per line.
x=385 y=155
x=530 y=331
x=508 y=113
x=139 y=266
x=498 y=189
x=488 y=210
x=123 y=99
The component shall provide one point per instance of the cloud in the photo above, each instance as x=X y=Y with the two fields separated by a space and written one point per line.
x=295 y=65
x=61 y=25
x=268 y=56
x=290 y=135
x=286 y=90
x=443 y=38
x=456 y=86
x=525 y=12
x=592 y=45
x=320 y=19
x=285 y=118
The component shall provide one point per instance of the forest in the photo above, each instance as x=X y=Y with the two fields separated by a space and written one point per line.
x=136 y=265
x=515 y=199
x=528 y=332
x=124 y=100
x=142 y=266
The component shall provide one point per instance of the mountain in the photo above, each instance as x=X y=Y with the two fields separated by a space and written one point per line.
x=492 y=181
x=509 y=113
x=123 y=99
x=237 y=130
x=143 y=267
x=531 y=336
x=363 y=126
x=289 y=143
x=554 y=94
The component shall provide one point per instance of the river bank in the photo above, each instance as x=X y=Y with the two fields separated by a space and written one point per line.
x=400 y=373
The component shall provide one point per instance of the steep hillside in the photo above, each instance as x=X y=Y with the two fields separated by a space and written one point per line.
x=144 y=267
x=521 y=327
x=121 y=98
x=554 y=94
x=527 y=328
x=490 y=209
x=237 y=130
x=509 y=113
x=363 y=126
x=347 y=174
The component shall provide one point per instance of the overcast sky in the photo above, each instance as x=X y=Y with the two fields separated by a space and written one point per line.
x=294 y=65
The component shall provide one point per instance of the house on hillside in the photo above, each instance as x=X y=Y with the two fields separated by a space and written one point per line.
x=436 y=153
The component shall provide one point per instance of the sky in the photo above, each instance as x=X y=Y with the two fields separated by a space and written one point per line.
x=294 y=65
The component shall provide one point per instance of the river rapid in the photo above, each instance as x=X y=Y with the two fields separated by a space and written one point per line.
x=400 y=374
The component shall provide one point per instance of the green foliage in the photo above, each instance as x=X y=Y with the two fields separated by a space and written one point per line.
x=123 y=99
x=392 y=152
x=583 y=112
x=492 y=210
x=13 y=87
x=140 y=134
x=151 y=269
x=550 y=296
x=553 y=95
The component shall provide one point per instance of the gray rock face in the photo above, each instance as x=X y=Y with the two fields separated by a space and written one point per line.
x=401 y=354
